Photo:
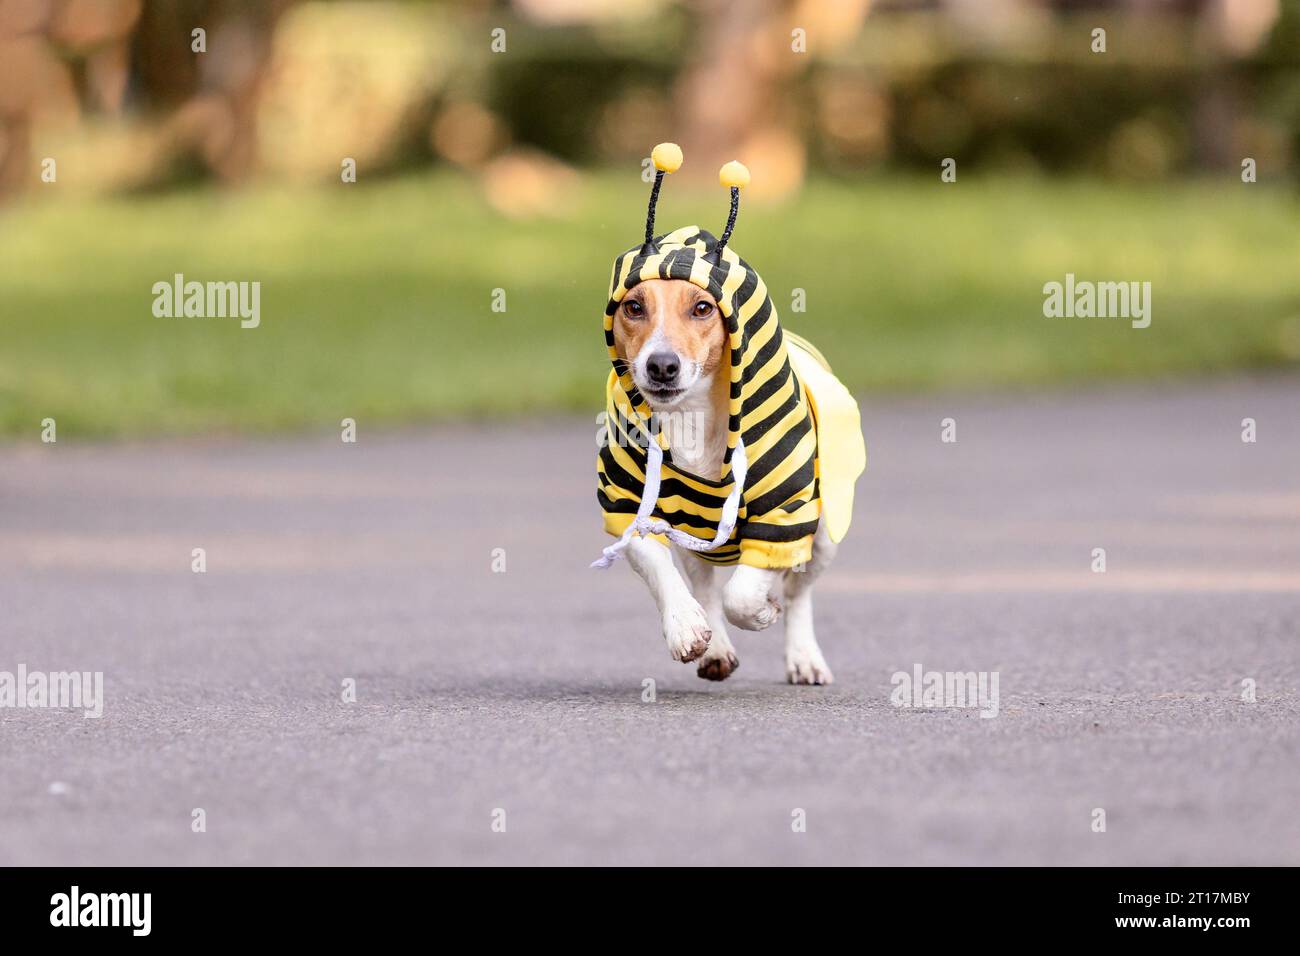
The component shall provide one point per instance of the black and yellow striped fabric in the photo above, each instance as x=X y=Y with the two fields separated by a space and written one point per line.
x=768 y=410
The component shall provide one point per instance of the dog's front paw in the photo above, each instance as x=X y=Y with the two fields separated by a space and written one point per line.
x=807 y=666
x=687 y=631
x=753 y=612
x=747 y=600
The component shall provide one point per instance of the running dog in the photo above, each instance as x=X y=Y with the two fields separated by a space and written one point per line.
x=727 y=438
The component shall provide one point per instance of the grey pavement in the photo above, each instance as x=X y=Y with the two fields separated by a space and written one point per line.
x=523 y=690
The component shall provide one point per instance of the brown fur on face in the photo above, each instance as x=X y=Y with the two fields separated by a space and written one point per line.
x=664 y=314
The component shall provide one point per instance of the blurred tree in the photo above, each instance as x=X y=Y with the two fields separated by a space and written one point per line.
x=54 y=55
x=738 y=96
x=212 y=96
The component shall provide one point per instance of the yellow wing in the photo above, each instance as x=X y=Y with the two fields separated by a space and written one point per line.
x=841 y=452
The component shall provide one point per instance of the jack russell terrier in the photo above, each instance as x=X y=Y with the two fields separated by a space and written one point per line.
x=726 y=437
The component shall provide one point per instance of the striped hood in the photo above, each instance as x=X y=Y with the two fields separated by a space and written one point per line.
x=770 y=421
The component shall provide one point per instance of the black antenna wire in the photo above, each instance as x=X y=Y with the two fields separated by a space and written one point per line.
x=715 y=255
x=731 y=218
x=650 y=213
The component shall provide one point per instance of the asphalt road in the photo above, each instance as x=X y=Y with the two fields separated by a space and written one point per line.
x=523 y=690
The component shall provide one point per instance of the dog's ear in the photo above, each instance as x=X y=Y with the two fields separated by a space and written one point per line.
x=667 y=158
x=735 y=176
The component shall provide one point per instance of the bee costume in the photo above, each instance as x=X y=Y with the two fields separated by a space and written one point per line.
x=794 y=438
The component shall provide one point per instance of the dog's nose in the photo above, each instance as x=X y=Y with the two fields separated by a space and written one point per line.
x=663 y=367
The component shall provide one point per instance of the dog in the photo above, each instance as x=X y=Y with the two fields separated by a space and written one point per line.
x=727 y=437
x=670 y=333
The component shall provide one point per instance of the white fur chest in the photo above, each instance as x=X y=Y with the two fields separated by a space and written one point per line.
x=697 y=433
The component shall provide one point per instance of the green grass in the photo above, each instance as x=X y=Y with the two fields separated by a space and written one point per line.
x=376 y=297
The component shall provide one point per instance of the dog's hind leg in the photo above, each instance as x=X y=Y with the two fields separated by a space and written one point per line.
x=685 y=625
x=804 y=663
x=720 y=660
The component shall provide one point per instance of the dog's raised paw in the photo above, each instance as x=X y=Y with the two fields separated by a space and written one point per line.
x=718 y=668
x=807 y=667
x=767 y=615
x=687 y=632
x=753 y=615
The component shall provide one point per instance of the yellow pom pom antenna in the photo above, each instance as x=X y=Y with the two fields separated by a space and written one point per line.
x=667 y=158
x=735 y=176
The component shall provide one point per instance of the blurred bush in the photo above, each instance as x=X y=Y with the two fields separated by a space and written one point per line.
x=287 y=89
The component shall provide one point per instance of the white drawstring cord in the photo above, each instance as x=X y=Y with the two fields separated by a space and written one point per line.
x=644 y=524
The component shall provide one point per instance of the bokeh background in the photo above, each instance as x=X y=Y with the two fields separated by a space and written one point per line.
x=520 y=169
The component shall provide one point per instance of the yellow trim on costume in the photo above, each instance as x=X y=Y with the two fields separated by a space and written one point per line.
x=775 y=555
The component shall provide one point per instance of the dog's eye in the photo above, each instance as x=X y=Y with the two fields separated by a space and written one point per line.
x=702 y=309
x=633 y=308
